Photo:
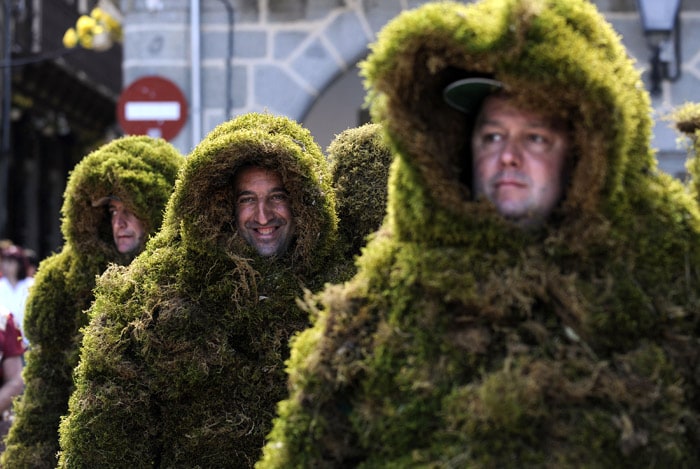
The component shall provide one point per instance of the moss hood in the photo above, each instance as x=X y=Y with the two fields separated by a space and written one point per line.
x=201 y=211
x=138 y=170
x=360 y=161
x=518 y=43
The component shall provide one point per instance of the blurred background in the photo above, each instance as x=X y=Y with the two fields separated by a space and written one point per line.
x=78 y=73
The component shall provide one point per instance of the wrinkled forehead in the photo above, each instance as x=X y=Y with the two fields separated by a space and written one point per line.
x=249 y=176
x=115 y=204
x=117 y=207
x=501 y=107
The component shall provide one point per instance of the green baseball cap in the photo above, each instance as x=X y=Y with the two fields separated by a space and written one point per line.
x=467 y=94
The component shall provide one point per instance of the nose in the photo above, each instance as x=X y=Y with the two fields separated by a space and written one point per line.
x=264 y=213
x=118 y=220
x=510 y=155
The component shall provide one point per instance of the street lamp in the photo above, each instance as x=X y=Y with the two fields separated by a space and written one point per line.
x=661 y=24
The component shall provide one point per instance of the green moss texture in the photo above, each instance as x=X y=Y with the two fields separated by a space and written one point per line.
x=360 y=160
x=182 y=363
x=686 y=119
x=141 y=171
x=464 y=341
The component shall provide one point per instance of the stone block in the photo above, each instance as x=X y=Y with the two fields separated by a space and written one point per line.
x=277 y=92
x=348 y=36
x=316 y=65
x=286 y=42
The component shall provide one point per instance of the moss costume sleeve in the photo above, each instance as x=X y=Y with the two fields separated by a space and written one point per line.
x=182 y=364
x=466 y=341
x=116 y=404
x=141 y=172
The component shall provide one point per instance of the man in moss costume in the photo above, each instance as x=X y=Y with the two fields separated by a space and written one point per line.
x=465 y=340
x=182 y=363
x=141 y=172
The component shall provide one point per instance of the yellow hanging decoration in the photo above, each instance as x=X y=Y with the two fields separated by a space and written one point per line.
x=97 y=31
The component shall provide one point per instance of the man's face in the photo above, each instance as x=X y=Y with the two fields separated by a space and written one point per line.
x=263 y=213
x=518 y=161
x=128 y=231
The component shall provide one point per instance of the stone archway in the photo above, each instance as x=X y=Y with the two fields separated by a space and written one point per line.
x=338 y=108
x=325 y=91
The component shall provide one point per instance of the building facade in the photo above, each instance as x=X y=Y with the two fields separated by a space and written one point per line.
x=57 y=105
x=292 y=57
x=299 y=58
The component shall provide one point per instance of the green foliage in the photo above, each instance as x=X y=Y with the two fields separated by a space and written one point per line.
x=141 y=171
x=360 y=163
x=686 y=119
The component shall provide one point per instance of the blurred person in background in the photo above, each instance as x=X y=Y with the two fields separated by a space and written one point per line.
x=11 y=350
x=14 y=284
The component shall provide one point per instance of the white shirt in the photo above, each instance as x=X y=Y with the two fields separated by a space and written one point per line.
x=15 y=298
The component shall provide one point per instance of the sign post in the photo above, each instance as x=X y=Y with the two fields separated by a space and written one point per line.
x=154 y=106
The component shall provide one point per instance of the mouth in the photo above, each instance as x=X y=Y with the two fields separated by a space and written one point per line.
x=265 y=231
x=509 y=183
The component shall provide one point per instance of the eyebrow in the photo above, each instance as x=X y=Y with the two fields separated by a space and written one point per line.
x=274 y=189
x=533 y=125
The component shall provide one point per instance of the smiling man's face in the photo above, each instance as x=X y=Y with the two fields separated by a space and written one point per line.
x=263 y=210
x=519 y=159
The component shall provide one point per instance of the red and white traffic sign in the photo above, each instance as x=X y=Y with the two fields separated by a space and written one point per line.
x=154 y=106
